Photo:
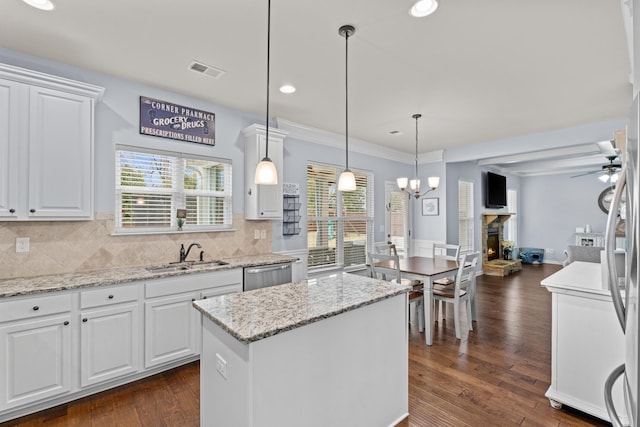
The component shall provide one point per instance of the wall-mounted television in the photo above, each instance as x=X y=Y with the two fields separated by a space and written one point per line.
x=496 y=195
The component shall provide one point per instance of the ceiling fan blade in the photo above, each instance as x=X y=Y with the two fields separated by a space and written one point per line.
x=586 y=173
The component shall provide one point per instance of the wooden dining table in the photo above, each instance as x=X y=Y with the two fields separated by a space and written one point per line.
x=427 y=270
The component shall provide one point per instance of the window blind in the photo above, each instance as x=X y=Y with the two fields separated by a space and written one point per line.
x=399 y=220
x=152 y=185
x=465 y=215
x=340 y=224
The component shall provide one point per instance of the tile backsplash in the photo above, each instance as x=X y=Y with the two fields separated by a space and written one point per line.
x=58 y=247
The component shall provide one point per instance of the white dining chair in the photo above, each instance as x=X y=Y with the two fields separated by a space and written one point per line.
x=461 y=291
x=416 y=295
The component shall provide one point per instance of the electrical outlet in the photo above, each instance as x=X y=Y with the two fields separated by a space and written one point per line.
x=256 y=234
x=22 y=244
x=221 y=366
x=263 y=234
x=549 y=250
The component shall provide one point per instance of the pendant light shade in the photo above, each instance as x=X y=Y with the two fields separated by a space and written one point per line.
x=347 y=180
x=414 y=184
x=266 y=173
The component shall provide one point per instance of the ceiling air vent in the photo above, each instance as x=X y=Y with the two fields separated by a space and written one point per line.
x=210 y=71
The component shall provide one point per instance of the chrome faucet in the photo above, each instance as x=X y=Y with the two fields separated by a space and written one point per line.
x=183 y=254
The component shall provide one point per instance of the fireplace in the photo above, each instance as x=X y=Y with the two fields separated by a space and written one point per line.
x=493 y=244
x=492 y=237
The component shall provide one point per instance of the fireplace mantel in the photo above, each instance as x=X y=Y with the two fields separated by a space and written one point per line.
x=489 y=218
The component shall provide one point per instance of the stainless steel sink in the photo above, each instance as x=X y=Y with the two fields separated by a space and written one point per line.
x=212 y=263
x=183 y=266
x=168 y=269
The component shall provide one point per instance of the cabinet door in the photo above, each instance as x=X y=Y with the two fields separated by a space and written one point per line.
x=109 y=344
x=60 y=155
x=171 y=329
x=35 y=360
x=263 y=201
x=11 y=93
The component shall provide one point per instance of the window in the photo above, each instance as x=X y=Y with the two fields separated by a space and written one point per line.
x=397 y=218
x=340 y=224
x=152 y=185
x=465 y=216
x=511 y=225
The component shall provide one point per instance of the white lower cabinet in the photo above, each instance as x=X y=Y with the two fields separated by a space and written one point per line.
x=171 y=327
x=35 y=350
x=109 y=343
x=62 y=345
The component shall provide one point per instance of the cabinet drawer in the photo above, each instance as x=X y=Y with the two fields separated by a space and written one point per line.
x=192 y=282
x=107 y=296
x=25 y=308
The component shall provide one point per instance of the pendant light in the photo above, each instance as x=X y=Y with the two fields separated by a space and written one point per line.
x=347 y=180
x=266 y=173
x=414 y=184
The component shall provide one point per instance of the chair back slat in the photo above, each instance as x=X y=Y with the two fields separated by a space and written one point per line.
x=446 y=250
x=377 y=272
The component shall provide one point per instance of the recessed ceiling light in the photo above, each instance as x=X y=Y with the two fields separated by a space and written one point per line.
x=41 y=4
x=423 y=8
x=287 y=89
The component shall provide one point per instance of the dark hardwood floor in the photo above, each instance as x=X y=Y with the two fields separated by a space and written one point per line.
x=495 y=377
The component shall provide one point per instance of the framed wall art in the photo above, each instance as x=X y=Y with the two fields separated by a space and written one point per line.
x=430 y=207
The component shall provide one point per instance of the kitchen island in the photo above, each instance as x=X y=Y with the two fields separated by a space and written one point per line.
x=330 y=351
x=587 y=341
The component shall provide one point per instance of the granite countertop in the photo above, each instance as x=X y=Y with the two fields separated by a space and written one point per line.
x=254 y=315
x=114 y=276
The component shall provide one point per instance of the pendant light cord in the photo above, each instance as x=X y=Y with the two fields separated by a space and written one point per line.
x=266 y=153
x=417 y=116
x=346 y=96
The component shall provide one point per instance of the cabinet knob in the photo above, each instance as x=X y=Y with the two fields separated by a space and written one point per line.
x=193 y=299
x=110 y=296
x=204 y=297
x=36 y=308
x=32 y=210
x=12 y=210
x=85 y=320
x=66 y=323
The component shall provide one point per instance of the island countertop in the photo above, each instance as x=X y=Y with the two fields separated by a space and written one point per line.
x=261 y=313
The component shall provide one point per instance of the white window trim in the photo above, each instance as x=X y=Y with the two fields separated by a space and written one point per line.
x=369 y=218
x=178 y=195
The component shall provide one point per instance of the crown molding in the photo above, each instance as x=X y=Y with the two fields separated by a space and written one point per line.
x=330 y=139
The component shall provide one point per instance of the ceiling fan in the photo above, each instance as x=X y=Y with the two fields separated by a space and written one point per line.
x=608 y=171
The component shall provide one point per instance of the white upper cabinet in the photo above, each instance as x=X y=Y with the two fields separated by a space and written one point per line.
x=46 y=146
x=262 y=201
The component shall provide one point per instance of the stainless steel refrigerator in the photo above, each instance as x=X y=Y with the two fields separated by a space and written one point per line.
x=623 y=219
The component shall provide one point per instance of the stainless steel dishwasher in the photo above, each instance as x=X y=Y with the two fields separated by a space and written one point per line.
x=266 y=275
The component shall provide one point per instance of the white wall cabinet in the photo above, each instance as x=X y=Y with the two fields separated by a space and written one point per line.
x=262 y=201
x=35 y=350
x=46 y=144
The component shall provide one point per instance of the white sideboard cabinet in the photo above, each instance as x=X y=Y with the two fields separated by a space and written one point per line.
x=262 y=201
x=46 y=146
